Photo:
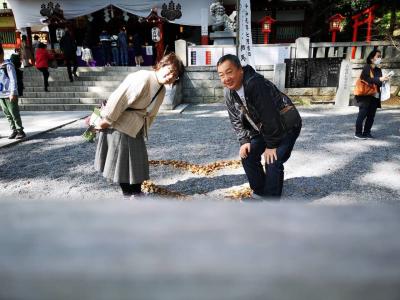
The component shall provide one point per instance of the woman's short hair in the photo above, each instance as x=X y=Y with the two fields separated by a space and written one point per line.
x=173 y=60
x=1 y=51
x=42 y=46
x=371 y=55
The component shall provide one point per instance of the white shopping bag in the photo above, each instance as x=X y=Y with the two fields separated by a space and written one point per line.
x=385 y=91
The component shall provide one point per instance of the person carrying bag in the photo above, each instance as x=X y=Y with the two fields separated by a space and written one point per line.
x=367 y=95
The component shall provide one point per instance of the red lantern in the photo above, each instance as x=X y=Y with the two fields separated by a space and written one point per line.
x=266 y=27
x=335 y=24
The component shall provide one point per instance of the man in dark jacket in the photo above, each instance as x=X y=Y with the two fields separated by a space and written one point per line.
x=254 y=105
x=68 y=47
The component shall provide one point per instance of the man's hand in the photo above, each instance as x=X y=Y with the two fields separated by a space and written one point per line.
x=270 y=156
x=13 y=98
x=244 y=150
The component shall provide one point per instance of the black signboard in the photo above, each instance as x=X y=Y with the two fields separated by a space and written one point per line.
x=313 y=72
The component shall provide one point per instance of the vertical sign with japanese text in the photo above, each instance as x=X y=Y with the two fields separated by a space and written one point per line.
x=245 y=40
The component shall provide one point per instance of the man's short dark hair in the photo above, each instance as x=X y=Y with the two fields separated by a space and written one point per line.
x=371 y=55
x=1 y=51
x=232 y=58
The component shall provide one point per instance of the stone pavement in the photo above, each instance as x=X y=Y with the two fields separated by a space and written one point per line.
x=38 y=122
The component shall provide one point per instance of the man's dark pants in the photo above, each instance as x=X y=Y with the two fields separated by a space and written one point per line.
x=270 y=182
x=71 y=62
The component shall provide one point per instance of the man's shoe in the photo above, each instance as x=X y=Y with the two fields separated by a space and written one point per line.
x=20 y=134
x=368 y=135
x=360 y=136
x=75 y=75
x=13 y=134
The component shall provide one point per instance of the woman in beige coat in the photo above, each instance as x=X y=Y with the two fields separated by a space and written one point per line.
x=121 y=154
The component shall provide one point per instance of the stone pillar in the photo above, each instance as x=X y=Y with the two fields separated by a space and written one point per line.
x=181 y=50
x=173 y=96
x=280 y=76
x=342 y=97
x=302 y=47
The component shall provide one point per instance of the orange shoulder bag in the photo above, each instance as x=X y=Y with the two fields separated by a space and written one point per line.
x=363 y=88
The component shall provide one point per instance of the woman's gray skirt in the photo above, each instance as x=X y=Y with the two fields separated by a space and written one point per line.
x=122 y=158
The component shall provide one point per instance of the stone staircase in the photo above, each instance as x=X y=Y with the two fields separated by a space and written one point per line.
x=93 y=85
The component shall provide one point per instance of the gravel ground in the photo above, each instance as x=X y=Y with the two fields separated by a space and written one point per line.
x=327 y=166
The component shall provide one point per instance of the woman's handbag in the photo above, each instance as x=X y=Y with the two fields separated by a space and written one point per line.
x=363 y=88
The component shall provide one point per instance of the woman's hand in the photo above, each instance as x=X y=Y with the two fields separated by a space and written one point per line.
x=103 y=125
x=244 y=150
x=384 y=78
x=13 y=98
x=270 y=156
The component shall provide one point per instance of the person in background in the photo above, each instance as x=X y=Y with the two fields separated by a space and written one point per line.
x=15 y=58
x=105 y=41
x=35 y=44
x=87 y=55
x=121 y=154
x=9 y=97
x=42 y=63
x=368 y=105
x=68 y=47
x=114 y=50
x=137 y=49
x=123 y=46
x=26 y=52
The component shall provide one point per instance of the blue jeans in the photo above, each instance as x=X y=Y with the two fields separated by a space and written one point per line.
x=106 y=53
x=270 y=182
x=115 y=55
x=124 y=55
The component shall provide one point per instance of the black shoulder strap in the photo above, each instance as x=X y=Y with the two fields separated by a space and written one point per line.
x=155 y=96
x=152 y=100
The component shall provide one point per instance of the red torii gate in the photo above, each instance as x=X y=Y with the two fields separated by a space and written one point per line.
x=357 y=22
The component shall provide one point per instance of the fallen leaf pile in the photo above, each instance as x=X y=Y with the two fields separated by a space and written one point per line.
x=198 y=169
x=151 y=188
x=238 y=194
x=206 y=170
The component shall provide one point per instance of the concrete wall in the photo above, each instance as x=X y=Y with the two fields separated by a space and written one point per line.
x=202 y=84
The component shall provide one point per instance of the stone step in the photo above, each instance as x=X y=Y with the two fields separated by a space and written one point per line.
x=39 y=78
x=59 y=101
x=61 y=89
x=91 y=69
x=64 y=83
x=69 y=94
x=57 y=107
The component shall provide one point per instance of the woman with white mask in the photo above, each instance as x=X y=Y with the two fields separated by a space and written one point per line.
x=368 y=105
